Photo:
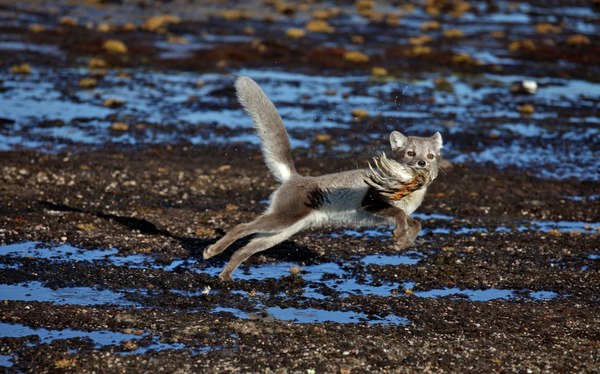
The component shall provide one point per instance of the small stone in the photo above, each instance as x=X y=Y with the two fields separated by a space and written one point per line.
x=295 y=33
x=555 y=233
x=357 y=39
x=547 y=28
x=524 y=87
x=88 y=83
x=97 y=63
x=443 y=85
x=377 y=71
x=356 y=56
x=114 y=46
x=323 y=138
x=129 y=26
x=420 y=40
x=129 y=345
x=319 y=25
x=223 y=168
x=453 y=33
x=420 y=50
x=204 y=231
x=174 y=39
x=85 y=226
x=578 y=40
x=522 y=45
x=68 y=21
x=64 y=363
x=113 y=103
x=463 y=58
x=430 y=25
x=364 y=5
x=360 y=113
x=156 y=23
x=104 y=27
x=36 y=28
x=23 y=68
x=526 y=109
x=233 y=15
x=119 y=126
x=326 y=13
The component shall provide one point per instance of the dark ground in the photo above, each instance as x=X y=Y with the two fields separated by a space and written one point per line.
x=167 y=201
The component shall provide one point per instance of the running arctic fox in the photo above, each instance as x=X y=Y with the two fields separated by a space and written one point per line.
x=385 y=194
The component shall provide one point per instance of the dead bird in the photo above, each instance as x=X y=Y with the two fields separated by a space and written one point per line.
x=385 y=194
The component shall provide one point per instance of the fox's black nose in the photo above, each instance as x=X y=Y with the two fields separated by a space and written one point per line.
x=422 y=163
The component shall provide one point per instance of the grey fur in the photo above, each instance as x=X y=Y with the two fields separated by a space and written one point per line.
x=275 y=142
x=387 y=194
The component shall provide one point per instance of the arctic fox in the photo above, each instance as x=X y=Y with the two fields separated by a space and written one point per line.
x=385 y=194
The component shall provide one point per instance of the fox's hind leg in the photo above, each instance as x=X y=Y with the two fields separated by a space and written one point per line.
x=267 y=223
x=260 y=243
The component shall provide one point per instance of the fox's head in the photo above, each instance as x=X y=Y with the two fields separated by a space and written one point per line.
x=417 y=152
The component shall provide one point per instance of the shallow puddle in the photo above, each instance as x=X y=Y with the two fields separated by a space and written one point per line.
x=6 y=360
x=100 y=339
x=438 y=229
x=312 y=315
x=65 y=252
x=37 y=292
x=482 y=294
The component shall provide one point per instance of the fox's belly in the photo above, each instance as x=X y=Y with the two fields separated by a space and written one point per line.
x=350 y=218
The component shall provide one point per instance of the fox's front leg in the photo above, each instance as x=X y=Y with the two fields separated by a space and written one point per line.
x=406 y=231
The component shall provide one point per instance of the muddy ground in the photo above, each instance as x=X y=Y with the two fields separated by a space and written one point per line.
x=105 y=207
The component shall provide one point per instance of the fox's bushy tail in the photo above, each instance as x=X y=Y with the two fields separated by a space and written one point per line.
x=275 y=142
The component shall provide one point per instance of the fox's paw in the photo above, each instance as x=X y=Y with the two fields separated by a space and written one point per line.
x=404 y=237
x=209 y=252
x=402 y=243
x=225 y=276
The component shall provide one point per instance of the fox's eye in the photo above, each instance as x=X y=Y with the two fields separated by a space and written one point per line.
x=411 y=153
x=430 y=156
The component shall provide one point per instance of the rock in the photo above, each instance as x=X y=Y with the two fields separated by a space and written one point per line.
x=114 y=46
x=113 y=103
x=319 y=25
x=295 y=33
x=88 y=82
x=23 y=68
x=97 y=63
x=578 y=40
x=526 y=109
x=377 y=71
x=356 y=56
x=119 y=126
x=157 y=23
x=359 y=113
x=524 y=87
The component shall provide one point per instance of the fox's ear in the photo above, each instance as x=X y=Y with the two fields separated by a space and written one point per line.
x=437 y=138
x=397 y=140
